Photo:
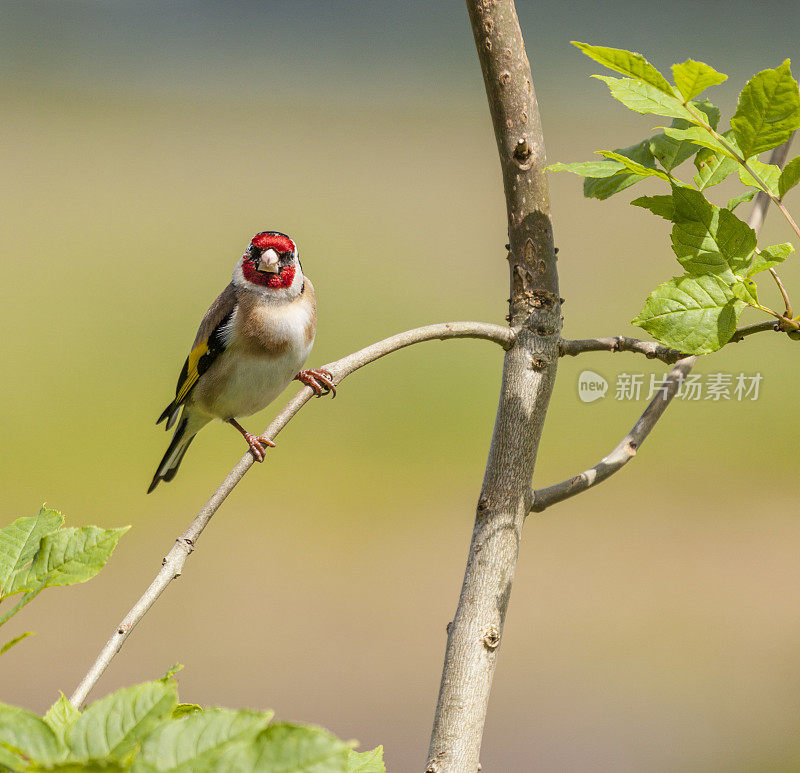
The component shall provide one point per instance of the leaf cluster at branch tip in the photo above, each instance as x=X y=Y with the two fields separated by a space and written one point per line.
x=697 y=312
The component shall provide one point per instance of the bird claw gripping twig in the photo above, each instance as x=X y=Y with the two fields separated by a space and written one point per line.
x=257 y=446
x=321 y=381
x=257 y=443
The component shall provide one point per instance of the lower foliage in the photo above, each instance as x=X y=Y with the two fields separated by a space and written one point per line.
x=141 y=728
x=145 y=729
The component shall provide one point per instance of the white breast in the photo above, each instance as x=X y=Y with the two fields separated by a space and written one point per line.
x=244 y=380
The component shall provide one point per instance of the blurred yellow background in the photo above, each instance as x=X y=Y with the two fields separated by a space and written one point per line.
x=654 y=622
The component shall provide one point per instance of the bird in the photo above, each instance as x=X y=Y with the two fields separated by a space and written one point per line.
x=251 y=343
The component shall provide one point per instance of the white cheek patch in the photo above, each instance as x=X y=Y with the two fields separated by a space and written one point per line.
x=238 y=274
x=297 y=282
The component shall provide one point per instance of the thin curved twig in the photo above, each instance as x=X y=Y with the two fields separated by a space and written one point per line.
x=653 y=351
x=625 y=450
x=756 y=327
x=650 y=349
x=172 y=564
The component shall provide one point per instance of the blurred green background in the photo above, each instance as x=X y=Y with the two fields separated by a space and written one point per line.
x=654 y=623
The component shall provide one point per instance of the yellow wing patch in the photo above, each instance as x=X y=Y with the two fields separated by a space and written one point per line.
x=190 y=372
x=201 y=358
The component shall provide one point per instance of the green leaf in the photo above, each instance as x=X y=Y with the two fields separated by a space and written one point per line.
x=11 y=761
x=693 y=314
x=770 y=257
x=60 y=717
x=699 y=136
x=113 y=726
x=790 y=176
x=195 y=743
x=184 y=709
x=768 y=111
x=67 y=557
x=671 y=152
x=662 y=206
x=712 y=112
x=171 y=671
x=366 y=762
x=746 y=291
x=644 y=98
x=16 y=640
x=588 y=168
x=25 y=733
x=692 y=78
x=634 y=166
x=602 y=188
x=710 y=240
x=20 y=540
x=769 y=173
x=740 y=199
x=712 y=168
x=627 y=63
x=285 y=748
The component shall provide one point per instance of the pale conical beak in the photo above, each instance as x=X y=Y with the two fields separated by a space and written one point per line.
x=269 y=262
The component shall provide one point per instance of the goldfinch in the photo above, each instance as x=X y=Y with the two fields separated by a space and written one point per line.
x=250 y=345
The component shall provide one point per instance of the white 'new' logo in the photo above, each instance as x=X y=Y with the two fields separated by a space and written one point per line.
x=591 y=386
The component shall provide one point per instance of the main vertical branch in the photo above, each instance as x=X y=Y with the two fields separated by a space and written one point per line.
x=529 y=370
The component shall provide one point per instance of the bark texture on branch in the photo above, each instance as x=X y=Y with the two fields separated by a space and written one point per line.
x=529 y=372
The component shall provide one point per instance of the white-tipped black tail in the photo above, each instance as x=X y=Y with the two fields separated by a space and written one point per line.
x=184 y=434
x=170 y=413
